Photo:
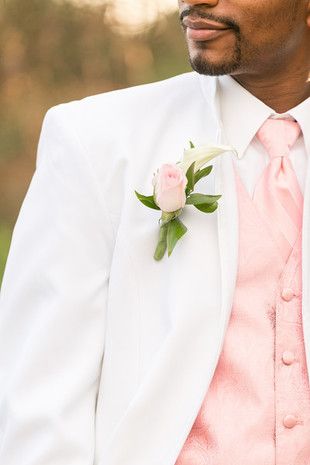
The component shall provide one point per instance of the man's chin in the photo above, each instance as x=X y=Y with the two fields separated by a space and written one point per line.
x=212 y=68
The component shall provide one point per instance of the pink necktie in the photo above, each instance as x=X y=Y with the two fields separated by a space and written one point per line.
x=277 y=194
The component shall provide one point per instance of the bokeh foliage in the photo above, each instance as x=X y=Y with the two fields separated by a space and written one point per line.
x=54 y=51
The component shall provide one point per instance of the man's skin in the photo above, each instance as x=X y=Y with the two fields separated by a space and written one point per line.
x=266 y=47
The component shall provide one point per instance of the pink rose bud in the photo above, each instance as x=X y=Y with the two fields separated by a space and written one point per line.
x=169 y=188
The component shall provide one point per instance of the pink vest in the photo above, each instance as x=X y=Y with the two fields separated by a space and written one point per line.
x=257 y=408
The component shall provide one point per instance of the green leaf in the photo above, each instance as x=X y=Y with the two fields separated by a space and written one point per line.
x=147 y=201
x=197 y=199
x=162 y=242
x=190 y=174
x=176 y=229
x=203 y=173
x=191 y=144
x=207 y=208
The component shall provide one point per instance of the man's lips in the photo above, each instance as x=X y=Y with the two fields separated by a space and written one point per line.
x=201 y=29
x=203 y=24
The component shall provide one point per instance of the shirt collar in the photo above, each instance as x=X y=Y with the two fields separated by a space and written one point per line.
x=302 y=114
x=239 y=114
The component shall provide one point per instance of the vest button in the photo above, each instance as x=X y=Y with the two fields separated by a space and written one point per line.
x=288 y=357
x=289 y=421
x=287 y=294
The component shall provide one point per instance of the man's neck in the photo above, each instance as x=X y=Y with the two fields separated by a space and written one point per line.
x=279 y=92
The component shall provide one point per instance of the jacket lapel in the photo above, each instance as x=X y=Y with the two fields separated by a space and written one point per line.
x=201 y=278
x=228 y=233
x=198 y=285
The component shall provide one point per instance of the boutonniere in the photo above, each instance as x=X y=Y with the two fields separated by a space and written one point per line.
x=173 y=186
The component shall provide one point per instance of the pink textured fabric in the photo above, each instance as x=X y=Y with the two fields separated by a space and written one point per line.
x=257 y=408
x=277 y=194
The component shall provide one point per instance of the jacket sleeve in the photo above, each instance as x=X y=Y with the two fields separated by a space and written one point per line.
x=53 y=307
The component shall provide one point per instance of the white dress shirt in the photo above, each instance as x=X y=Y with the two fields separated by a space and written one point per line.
x=242 y=114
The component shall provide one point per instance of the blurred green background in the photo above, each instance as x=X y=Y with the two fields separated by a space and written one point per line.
x=53 y=51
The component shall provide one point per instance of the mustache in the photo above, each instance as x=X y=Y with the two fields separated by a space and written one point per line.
x=199 y=13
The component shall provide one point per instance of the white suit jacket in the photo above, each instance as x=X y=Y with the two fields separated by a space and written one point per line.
x=105 y=354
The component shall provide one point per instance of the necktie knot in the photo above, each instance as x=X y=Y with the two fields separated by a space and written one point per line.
x=278 y=136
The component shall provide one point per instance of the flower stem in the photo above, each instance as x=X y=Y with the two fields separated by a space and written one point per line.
x=162 y=242
x=166 y=217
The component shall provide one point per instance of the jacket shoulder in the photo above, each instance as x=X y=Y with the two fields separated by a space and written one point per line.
x=123 y=103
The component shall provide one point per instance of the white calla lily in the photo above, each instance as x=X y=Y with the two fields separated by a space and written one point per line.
x=202 y=155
